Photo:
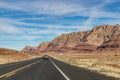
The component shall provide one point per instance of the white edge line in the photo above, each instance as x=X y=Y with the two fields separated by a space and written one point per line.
x=65 y=76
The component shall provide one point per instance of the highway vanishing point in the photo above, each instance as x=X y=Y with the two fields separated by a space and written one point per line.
x=47 y=68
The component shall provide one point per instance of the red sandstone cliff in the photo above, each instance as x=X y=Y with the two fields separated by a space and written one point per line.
x=80 y=41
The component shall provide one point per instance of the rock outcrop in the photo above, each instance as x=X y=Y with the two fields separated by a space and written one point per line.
x=42 y=47
x=84 y=47
x=29 y=49
x=80 y=41
x=111 y=45
x=103 y=33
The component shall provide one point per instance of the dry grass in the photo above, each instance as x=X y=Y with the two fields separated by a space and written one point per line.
x=8 y=56
x=104 y=63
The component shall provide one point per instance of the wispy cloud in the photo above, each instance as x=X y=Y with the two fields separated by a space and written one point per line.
x=60 y=7
x=56 y=7
x=9 y=29
x=51 y=7
x=13 y=22
x=17 y=32
x=43 y=7
x=98 y=12
x=42 y=20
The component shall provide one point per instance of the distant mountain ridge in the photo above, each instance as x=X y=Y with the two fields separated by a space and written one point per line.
x=85 y=41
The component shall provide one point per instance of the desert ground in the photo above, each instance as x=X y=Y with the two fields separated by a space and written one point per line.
x=4 y=59
x=103 y=63
x=9 y=56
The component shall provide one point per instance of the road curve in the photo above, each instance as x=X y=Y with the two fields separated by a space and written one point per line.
x=47 y=69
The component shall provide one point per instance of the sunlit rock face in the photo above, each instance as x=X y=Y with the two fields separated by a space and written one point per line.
x=79 y=41
x=110 y=45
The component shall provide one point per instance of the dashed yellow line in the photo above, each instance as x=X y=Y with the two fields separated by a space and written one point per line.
x=14 y=71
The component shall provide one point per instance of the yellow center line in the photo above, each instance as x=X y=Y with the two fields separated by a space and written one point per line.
x=14 y=71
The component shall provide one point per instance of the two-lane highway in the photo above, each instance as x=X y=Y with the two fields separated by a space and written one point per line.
x=48 y=68
x=13 y=66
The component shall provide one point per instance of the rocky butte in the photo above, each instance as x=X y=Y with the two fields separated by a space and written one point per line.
x=99 y=38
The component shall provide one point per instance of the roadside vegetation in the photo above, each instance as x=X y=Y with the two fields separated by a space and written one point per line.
x=8 y=56
x=103 y=63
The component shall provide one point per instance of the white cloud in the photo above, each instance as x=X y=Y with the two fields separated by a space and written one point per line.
x=51 y=7
x=98 y=12
x=9 y=29
x=8 y=5
x=9 y=26
x=59 y=7
x=20 y=37
x=7 y=21
x=56 y=7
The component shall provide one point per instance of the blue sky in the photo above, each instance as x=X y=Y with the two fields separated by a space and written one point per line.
x=30 y=22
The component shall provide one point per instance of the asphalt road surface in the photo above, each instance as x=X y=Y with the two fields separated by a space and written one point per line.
x=47 y=68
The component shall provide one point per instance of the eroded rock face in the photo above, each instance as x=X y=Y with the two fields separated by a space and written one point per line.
x=95 y=37
x=68 y=40
x=29 y=49
x=43 y=46
x=110 y=45
x=103 y=33
x=86 y=40
x=84 y=47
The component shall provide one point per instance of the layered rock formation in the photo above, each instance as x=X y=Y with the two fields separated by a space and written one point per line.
x=111 y=45
x=103 y=33
x=85 y=48
x=80 y=41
